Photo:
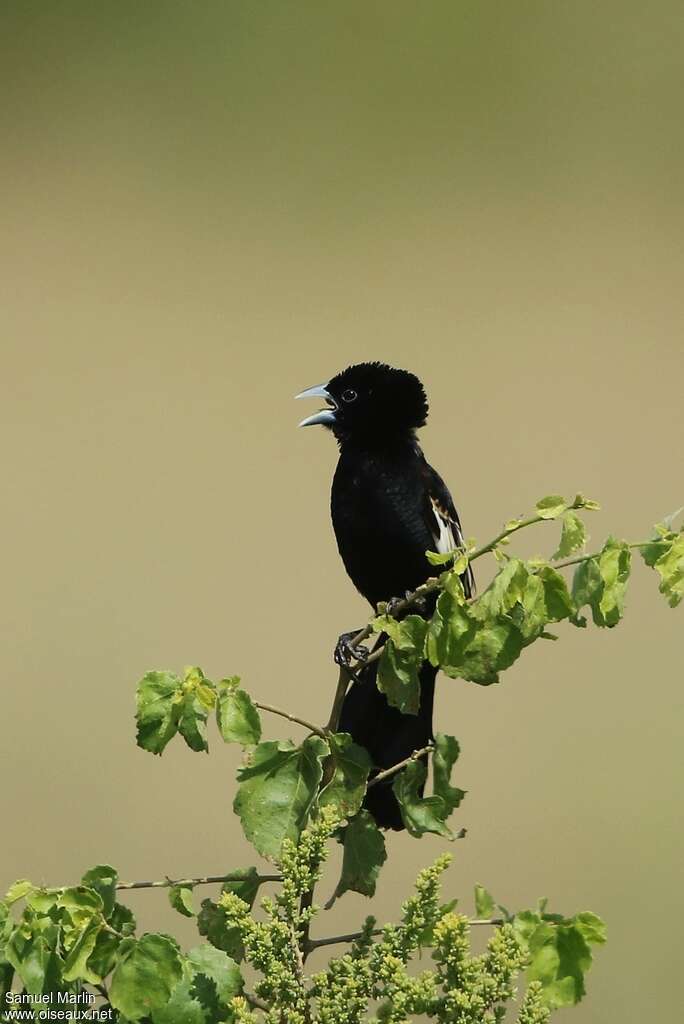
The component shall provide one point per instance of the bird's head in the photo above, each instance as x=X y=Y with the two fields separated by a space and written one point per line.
x=369 y=401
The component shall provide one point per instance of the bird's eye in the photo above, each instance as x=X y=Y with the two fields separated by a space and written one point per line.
x=349 y=395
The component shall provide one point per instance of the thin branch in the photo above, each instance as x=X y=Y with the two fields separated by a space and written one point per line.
x=292 y=718
x=334 y=940
x=596 y=554
x=389 y=772
x=166 y=883
x=338 y=699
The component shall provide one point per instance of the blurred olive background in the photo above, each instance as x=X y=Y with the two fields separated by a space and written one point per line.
x=208 y=207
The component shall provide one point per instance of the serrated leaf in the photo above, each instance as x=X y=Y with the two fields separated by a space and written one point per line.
x=82 y=904
x=551 y=507
x=196 y=701
x=76 y=966
x=148 y=971
x=180 y=898
x=420 y=814
x=615 y=563
x=351 y=765
x=444 y=757
x=17 y=891
x=670 y=567
x=560 y=953
x=237 y=718
x=450 y=630
x=34 y=961
x=157 y=711
x=182 y=1008
x=213 y=925
x=495 y=647
x=103 y=878
x=364 y=855
x=277 y=788
x=557 y=598
x=573 y=536
x=214 y=965
x=399 y=667
x=484 y=902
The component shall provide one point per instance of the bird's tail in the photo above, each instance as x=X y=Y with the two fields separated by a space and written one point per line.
x=387 y=734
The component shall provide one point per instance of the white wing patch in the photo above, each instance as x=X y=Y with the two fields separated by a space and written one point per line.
x=445 y=540
x=447 y=537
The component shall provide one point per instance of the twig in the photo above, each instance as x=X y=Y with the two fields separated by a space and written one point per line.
x=388 y=772
x=334 y=940
x=166 y=883
x=338 y=699
x=596 y=554
x=292 y=718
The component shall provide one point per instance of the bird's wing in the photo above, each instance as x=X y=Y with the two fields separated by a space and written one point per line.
x=442 y=520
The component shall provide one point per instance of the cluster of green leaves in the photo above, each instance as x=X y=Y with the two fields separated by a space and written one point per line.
x=79 y=939
x=282 y=783
x=477 y=639
x=168 y=705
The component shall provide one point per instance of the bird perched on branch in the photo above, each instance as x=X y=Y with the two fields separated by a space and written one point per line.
x=389 y=507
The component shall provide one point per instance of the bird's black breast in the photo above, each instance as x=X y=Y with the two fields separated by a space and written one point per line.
x=378 y=514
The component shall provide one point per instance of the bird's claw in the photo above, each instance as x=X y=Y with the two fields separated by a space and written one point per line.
x=347 y=652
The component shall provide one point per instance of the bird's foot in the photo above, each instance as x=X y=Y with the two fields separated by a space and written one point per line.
x=393 y=605
x=347 y=652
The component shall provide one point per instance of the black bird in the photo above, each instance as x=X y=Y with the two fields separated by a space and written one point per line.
x=389 y=506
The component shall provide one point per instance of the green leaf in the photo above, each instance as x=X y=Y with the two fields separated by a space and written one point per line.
x=601 y=583
x=75 y=964
x=420 y=814
x=180 y=898
x=182 y=1008
x=147 y=973
x=245 y=884
x=615 y=563
x=103 y=879
x=670 y=567
x=17 y=891
x=484 y=902
x=444 y=758
x=557 y=598
x=587 y=503
x=399 y=668
x=34 y=960
x=351 y=765
x=237 y=718
x=551 y=507
x=364 y=855
x=157 y=713
x=494 y=647
x=197 y=700
x=212 y=964
x=450 y=630
x=277 y=788
x=560 y=953
x=439 y=557
x=82 y=904
x=573 y=536
x=213 y=925
x=504 y=592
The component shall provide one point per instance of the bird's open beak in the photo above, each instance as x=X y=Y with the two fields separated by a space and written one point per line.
x=324 y=416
